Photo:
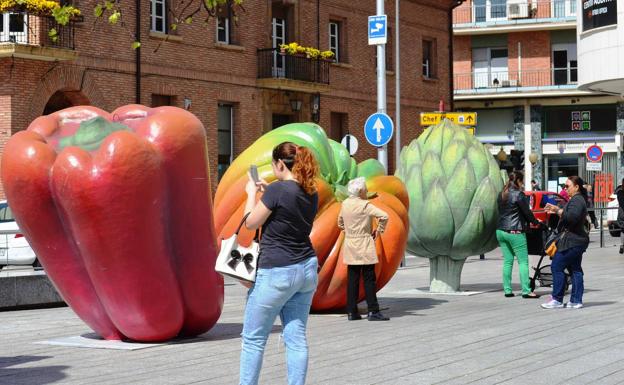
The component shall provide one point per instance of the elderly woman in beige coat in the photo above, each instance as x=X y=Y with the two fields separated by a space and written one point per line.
x=359 y=251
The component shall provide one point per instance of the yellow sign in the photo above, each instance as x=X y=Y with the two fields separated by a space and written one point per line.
x=461 y=118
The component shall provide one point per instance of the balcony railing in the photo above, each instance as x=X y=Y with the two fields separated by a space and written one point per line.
x=273 y=64
x=506 y=12
x=515 y=81
x=27 y=29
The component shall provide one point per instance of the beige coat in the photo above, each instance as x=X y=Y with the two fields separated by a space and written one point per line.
x=355 y=219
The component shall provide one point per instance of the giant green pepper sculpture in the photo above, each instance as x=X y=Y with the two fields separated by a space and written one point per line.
x=453 y=183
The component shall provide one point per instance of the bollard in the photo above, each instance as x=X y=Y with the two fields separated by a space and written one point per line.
x=601 y=231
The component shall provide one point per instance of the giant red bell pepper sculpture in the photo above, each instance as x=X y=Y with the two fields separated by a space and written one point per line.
x=118 y=208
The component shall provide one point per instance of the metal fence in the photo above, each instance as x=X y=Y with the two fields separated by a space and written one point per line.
x=273 y=64
x=508 y=81
x=24 y=28
x=508 y=11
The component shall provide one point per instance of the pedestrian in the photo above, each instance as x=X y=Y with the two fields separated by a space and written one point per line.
x=359 y=252
x=619 y=193
x=534 y=185
x=287 y=264
x=514 y=213
x=570 y=247
x=590 y=205
x=564 y=193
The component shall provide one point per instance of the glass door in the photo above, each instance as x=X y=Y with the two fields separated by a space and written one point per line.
x=564 y=64
x=13 y=28
x=279 y=37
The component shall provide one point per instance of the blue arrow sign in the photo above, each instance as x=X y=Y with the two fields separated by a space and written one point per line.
x=378 y=129
x=377 y=29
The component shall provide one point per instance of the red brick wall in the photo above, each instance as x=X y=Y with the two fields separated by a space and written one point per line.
x=191 y=65
x=536 y=52
x=463 y=13
x=462 y=62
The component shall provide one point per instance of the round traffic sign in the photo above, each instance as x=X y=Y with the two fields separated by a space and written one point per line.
x=351 y=143
x=594 y=153
x=378 y=129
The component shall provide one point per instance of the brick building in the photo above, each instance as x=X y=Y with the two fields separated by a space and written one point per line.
x=515 y=63
x=227 y=72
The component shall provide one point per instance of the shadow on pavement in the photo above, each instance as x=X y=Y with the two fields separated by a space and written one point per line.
x=221 y=332
x=595 y=304
x=397 y=307
x=30 y=375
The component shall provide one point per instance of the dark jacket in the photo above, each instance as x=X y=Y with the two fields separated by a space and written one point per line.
x=515 y=212
x=619 y=192
x=573 y=224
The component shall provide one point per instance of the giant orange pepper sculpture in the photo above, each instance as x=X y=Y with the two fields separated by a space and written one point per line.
x=118 y=208
x=337 y=168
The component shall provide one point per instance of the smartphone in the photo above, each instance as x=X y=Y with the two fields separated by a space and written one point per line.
x=253 y=171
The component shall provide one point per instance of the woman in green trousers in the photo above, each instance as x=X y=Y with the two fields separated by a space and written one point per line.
x=514 y=211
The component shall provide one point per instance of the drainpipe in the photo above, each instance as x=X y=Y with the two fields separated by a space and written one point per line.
x=456 y=3
x=137 y=37
x=318 y=24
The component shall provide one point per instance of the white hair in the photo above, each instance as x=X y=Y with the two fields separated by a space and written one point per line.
x=355 y=186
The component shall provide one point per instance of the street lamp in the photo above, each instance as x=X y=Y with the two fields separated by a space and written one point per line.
x=533 y=158
x=295 y=104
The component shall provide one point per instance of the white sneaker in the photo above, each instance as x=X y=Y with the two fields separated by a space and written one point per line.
x=552 y=304
x=572 y=305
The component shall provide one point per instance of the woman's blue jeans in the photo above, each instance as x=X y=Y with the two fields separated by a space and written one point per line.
x=285 y=291
x=570 y=259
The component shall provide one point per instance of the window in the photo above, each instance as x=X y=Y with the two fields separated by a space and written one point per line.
x=428 y=59
x=158 y=15
x=490 y=67
x=223 y=30
x=334 y=39
x=225 y=142
x=162 y=100
x=564 y=64
x=224 y=24
x=12 y=27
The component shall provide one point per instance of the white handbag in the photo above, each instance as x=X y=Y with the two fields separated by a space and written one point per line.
x=237 y=261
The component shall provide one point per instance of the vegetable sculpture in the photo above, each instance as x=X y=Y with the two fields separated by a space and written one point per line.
x=118 y=208
x=453 y=183
x=337 y=168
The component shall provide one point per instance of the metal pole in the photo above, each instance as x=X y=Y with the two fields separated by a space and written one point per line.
x=528 y=167
x=601 y=230
x=397 y=98
x=382 y=152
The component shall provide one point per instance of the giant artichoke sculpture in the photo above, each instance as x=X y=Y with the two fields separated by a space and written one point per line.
x=453 y=183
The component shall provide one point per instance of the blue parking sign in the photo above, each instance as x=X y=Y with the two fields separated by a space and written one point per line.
x=377 y=29
x=378 y=129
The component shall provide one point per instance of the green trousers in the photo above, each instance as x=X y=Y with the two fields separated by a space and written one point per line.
x=514 y=245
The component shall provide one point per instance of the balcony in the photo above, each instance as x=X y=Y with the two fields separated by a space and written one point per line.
x=514 y=15
x=510 y=83
x=27 y=36
x=291 y=73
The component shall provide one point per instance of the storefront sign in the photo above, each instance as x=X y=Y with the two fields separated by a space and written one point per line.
x=603 y=188
x=581 y=120
x=599 y=13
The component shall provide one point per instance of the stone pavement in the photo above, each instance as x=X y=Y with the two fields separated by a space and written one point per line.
x=431 y=339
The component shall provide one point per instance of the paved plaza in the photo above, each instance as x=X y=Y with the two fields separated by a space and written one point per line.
x=481 y=338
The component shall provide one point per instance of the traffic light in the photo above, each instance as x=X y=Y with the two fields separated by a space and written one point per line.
x=516 y=158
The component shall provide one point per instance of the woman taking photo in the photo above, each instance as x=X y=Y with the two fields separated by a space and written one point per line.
x=287 y=264
x=514 y=211
x=570 y=247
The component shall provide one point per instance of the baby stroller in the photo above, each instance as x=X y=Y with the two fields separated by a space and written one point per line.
x=542 y=273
